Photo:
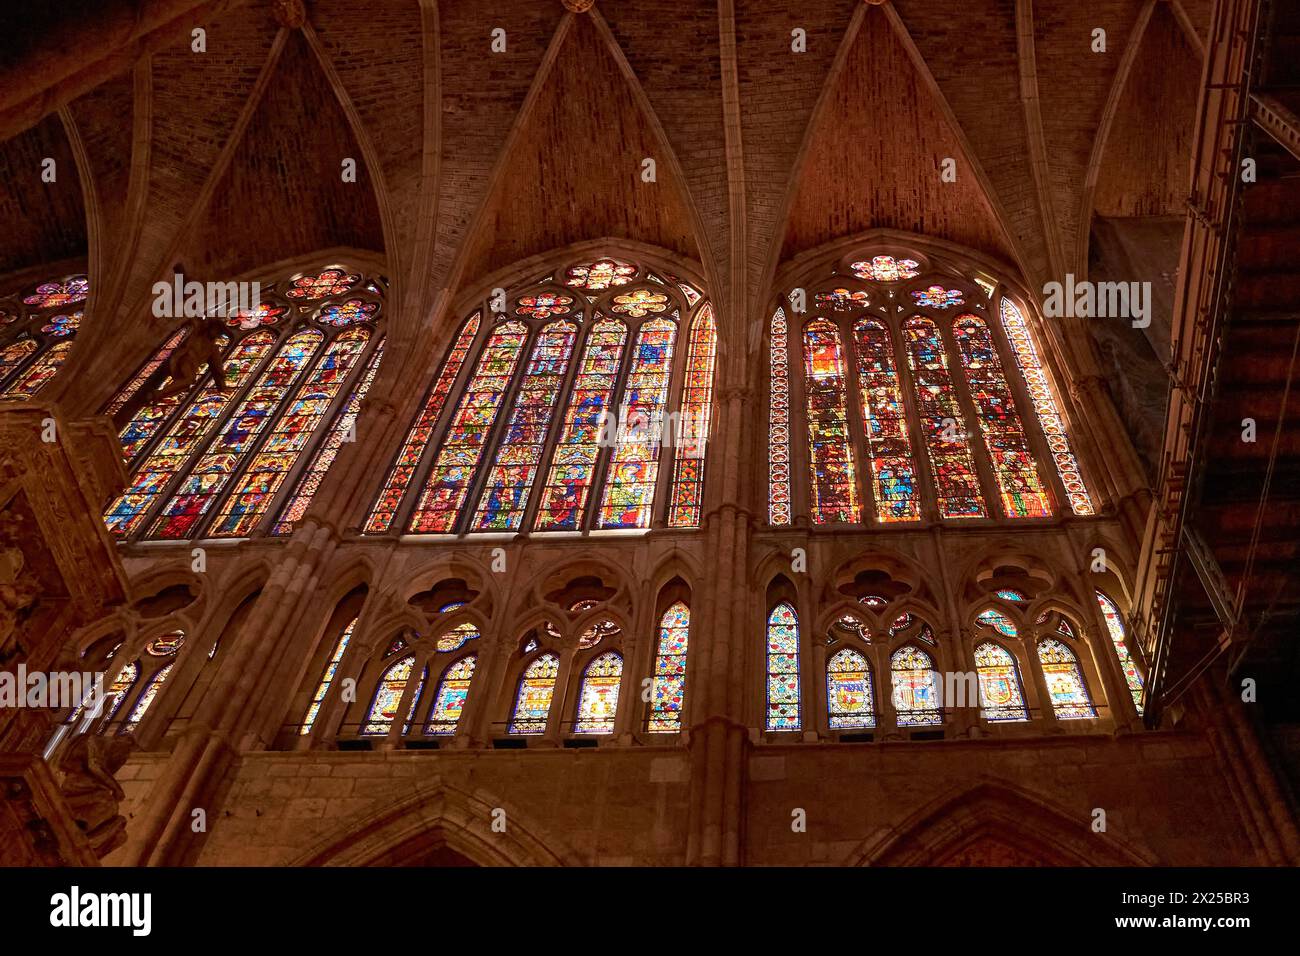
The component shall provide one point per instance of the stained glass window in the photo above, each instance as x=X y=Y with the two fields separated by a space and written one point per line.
x=120 y=689
x=263 y=314
x=884 y=421
x=457 y=637
x=598 y=696
x=1004 y=436
x=842 y=300
x=343 y=430
x=257 y=487
x=52 y=295
x=916 y=687
x=831 y=474
x=449 y=701
x=210 y=473
x=640 y=302
x=447 y=486
x=697 y=409
x=668 y=684
x=343 y=314
x=61 y=326
x=1065 y=686
x=783 y=711
x=886 y=269
x=37 y=375
x=519 y=454
x=634 y=463
x=942 y=423
x=849 y=700
x=998 y=621
x=937 y=297
x=1045 y=406
x=778 y=423
x=146 y=699
x=599 y=275
x=1115 y=626
x=327 y=283
x=573 y=463
x=388 y=697
x=1001 y=698
x=415 y=701
x=186 y=434
x=417 y=439
x=533 y=702
x=331 y=668
x=14 y=354
x=1008 y=594
x=147 y=370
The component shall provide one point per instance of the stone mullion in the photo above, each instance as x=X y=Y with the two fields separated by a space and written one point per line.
x=490 y=673
x=961 y=651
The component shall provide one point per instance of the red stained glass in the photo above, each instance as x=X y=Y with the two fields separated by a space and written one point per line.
x=1004 y=436
x=842 y=300
x=51 y=295
x=599 y=275
x=832 y=482
x=544 y=306
x=264 y=314
x=40 y=373
x=884 y=421
x=417 y=439
x=885 y=269
x=453 y=471
x=697 y=408
x=327 y=283
x=342 y=314
x=942 y=424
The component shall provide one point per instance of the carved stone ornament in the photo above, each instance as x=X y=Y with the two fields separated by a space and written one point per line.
x=91 y=792
x=578 y=6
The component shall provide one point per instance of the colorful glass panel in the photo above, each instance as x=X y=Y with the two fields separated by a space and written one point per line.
x=457 y=637
x=533 y=702
x=943 y=426
x=327 y=283
x=598 y=697
x=342 y=314
x=668 y=683
x=341 y=432
x=573 y=463
x=146 y=699
x=210 y=473
x=263 y=314
x=832 y=484
x=937 y=297
x=783 y=706
x=884 y=422
x=544 y=306
x=519 y=455
x=14 y=354
x=142 y=376
x=634 y=463
x=447 y=486
x=842 y=300
x=417 y=439
x=1115 y=626
x=1001 y=699
x=1065 y=686
x=849 y=699
x=697 y=410
x=778 y=423
x=886 y=269
x=1007 y=594
x=186 y=434
x=1004 y=435
x=639 y=303
x=50 y=295
x=120 y=689
x=60 y=326
x=449 y=700
x=39 y=374
x=261 y=480
x=322 y=688
x=165 y=645
x=599 y=275
x=998 y=621
x=916 y=687
x=388 y=697
x=1045 y=407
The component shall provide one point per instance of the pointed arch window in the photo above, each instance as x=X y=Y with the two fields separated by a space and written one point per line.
x=388 y=698
x=668 y=683
x=916 y=687
x=1004 y=436
x=598 y=695
x=850 y=702
x=595 y=386
x=533 y=700
x=449 y=701
x=146 y=700
x=36 y=335
x=783 y=703
x=222 y=461
x=1001 y=696
x=327 y=678
x=940 y=428
x=1115 y=627
x=1065 y=684
x=120 y=690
